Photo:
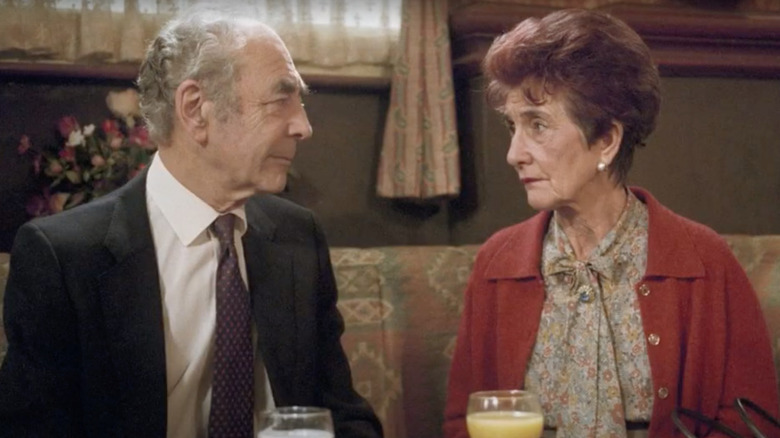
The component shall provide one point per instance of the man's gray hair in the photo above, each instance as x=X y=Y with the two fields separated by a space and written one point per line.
x=200 y=46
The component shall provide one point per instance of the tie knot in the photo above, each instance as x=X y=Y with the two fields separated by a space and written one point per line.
x=223 y=228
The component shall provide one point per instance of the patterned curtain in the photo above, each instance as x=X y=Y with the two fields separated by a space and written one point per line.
x=419 y=158
x=322 y=33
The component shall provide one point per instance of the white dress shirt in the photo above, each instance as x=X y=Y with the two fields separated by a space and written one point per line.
x=187 y=254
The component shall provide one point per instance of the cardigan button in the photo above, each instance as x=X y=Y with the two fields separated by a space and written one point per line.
x=654 y=339
x=663 y=392
x=644 y=290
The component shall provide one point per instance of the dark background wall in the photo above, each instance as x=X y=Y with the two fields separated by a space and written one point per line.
x=715 y=158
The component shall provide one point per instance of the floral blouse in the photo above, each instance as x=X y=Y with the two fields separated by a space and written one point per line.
x=590 y=365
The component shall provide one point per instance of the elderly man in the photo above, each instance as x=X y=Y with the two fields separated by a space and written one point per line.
x=191 y=299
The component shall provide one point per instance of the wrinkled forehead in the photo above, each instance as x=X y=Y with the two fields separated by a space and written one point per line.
x=266 y=54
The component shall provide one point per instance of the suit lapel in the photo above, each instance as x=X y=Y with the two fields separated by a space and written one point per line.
x=132 y=307
x=270 y=278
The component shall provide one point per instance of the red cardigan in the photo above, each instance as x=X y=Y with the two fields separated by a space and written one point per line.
x=713 y=344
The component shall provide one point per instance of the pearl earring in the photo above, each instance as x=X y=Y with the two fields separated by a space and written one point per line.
x=602 y=166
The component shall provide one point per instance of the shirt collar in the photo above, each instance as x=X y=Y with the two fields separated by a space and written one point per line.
x=188 y=215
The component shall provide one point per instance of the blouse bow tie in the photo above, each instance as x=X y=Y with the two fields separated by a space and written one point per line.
x=604 y=267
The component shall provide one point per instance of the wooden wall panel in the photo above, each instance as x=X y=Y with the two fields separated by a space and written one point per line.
x=685 y=41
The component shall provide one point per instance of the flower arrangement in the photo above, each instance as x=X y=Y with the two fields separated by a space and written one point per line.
x=89 y=161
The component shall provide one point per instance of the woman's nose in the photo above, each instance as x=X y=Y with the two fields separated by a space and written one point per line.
x=517 y=155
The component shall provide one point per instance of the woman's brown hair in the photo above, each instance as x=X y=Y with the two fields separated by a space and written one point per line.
x=602 y=67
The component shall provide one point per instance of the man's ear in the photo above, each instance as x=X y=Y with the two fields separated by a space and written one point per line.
x=610 y=142
x=192 y=110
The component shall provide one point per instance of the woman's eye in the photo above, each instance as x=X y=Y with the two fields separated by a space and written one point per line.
x=538 y=126
x=509 y=125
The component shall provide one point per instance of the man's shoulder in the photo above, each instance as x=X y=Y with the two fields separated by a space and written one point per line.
x=79 y=222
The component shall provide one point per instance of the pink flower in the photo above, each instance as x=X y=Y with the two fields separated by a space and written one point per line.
x=24 y=145
x=140 y=136
x=75 y=199
x=116 y=143
x=66 y=125
x=55 y=168
x=57 y=202
x=98 y=161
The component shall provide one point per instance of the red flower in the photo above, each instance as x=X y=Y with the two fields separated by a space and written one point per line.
x=111 y=128
x=137 y=170
x=140 y=136
x=66 y=125
x=24 y=145
x=67 y=154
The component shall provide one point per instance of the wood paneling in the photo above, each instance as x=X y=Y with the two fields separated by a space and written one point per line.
x=129 y=72
x=684 y=41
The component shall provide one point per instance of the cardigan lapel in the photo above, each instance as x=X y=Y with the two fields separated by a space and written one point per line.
x=132 y=308
x=270 y=277
x=661 y=250
x=520 y=254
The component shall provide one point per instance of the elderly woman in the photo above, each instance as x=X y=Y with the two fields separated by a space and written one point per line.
x=610 y=307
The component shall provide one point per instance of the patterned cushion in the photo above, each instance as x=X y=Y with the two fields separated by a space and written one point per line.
x=760 y=257
x=401 y=307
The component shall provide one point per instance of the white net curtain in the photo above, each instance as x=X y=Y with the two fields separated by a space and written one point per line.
x=321 y=33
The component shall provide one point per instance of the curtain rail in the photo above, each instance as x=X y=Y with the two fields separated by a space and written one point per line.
x=129 y=71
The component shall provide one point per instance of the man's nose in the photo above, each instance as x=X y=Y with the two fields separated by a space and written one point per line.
x=300 y=126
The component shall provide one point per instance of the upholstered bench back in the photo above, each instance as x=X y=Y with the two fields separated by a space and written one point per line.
x=402 y=308
x=402 y=304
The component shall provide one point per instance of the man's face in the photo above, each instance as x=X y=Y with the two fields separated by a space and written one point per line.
x=254 y=147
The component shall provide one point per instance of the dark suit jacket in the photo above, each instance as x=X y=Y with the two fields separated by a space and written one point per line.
x=83 y=316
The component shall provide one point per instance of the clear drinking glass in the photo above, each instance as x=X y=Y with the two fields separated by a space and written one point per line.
x=297 y=422
x=504 y=414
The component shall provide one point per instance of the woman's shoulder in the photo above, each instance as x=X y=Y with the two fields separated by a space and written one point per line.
x=522 y=233
x=667 y=224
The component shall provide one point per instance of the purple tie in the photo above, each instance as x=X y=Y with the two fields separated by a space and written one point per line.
x=232 y=392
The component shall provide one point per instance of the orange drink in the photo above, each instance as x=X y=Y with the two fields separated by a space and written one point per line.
x=505 y=424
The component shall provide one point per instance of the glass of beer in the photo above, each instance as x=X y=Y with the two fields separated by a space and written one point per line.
x=296 y=422
x=507 y=413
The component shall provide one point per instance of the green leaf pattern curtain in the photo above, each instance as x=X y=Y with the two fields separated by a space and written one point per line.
x=419 y=158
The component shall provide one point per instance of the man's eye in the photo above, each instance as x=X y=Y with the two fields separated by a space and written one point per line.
x=538 y=126
x=278 y=101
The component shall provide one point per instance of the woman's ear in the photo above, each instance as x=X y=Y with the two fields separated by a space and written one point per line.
x=610 y=142
x=191 y=110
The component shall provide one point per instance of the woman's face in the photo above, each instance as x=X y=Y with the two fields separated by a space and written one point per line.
x=549 y=151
